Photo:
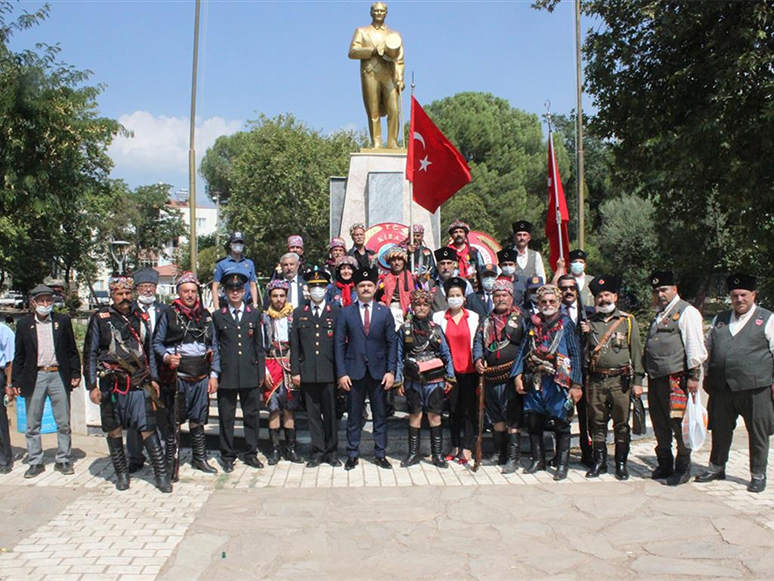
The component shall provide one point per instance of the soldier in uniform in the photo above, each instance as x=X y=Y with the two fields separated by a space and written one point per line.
x=365 y=256
x=550 y=358
x=122 y=378
x=614 y=369
x=528 y=262
x=674 y=354
x=421 y=259
x=279 y=395
x=184 y=341
x=312 y=367
x=240 y=361
x=497 y=343
x=739 y=381
x=425 y=374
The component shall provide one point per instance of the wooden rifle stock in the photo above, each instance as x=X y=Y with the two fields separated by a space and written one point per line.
x=480 y=438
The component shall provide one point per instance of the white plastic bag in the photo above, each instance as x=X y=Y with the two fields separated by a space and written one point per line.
x=695 y=423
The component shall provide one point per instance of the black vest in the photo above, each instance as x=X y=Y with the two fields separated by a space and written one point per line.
x=182 y=330
x=507 y=347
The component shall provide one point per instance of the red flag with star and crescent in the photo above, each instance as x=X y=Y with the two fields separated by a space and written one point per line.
x=558 y=217
x=434 y=166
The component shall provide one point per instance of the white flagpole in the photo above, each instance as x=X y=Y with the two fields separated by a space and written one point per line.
x=554 y=181
x=411 y=197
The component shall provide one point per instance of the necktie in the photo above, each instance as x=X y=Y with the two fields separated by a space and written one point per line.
x=366 y=319
x=317 y=312
x=236 y=315
x=489 y=303
x=290 y=292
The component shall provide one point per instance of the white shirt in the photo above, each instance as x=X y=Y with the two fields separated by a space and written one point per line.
x=362 y=311
x=314 y=306
x=281 y=329
x=46 y=351
x=236 y=312
x=691 y=331
x=522 y=258
x=571 y=311
x=293 y=291
x=581 y=282
x=151 y=311
x=736 y=324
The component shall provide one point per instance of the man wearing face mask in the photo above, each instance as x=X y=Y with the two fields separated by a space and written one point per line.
x=506 y=258
x=533 y=285
x=614 y=363
x=528 y=262
x=578 y=272
x=235 y=246
x=488 y=278
x=45 y=364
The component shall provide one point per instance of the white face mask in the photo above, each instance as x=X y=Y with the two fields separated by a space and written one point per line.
x=488 y=283
x=456 y=302
x=605 y=309
x=509 y=270
x=146 y=299
x=237 y=248
x=44 y=311
x=317 y=293
x=577 y=268
x=548 y=311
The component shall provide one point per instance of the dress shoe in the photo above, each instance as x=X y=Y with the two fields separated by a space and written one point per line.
x=64 y=467
x=333 y=461
x=34 y=470
x=313 y=462
x=253 y=462
x=135 y=467
x=228 y=465
x=678 y=478
x=757 y=484
x=351 y=463
x=383 y=463
x=6 y=468
x=709 y=476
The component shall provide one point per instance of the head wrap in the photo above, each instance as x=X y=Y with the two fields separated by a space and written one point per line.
x=503 y=284
x=337 y=243
x=418 y=229
x=117 y=283
x=187 y=277
x=459 y=224
x=356 y=226
x=277 y=284
x=295 y=240
x=346 y=260
x=548 y=289
x=395 y=252
x=421 y=297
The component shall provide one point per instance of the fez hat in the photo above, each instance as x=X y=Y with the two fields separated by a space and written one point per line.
x=577 y=254
x=445 y=253
x=522 y=226
x=146 y=275
x=41 y=289
x=662 y=278
x=606 y=282
x=506 y=255
x=366 y=274
x=317 y=277
x=455 y=281
x=740 y=281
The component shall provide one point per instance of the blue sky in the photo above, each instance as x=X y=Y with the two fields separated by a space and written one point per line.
x=276 y=57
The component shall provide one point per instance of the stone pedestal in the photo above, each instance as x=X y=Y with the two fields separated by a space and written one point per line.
x=376 y=191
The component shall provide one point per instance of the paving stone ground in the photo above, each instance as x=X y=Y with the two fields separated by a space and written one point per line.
x=289 y=521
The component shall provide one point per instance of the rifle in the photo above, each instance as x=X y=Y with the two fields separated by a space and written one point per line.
x=480 y=438
x=175 y=425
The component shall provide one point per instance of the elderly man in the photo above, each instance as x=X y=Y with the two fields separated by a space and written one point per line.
x=122 y=378
x=446 y=265
x=235 y=247
x=739 y=381
x=421 y=259
x=337 y=249
x=674 y=354
x=297 y=292
x=528 y=262
x=550 y=358
x=185 y=342
x=365 y=256
x=46 y=364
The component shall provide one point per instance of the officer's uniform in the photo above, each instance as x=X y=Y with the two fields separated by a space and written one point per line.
x=614 y=363
x=241 y=360
x=311 y=358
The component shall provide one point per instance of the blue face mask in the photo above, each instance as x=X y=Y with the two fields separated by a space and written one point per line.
x=577 y=268
x=488 y=283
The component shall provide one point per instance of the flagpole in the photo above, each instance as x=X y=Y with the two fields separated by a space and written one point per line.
x=554 y=180
x=579 y=131
x=411 y=194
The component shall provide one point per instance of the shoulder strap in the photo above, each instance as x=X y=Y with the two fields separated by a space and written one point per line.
x=607 y=335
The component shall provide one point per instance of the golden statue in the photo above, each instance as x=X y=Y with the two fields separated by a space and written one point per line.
x=380 y=52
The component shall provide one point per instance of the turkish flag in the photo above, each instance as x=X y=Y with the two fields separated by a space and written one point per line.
x=557 y=217
x=433 y=165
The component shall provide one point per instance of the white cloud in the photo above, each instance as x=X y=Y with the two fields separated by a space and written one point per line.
x=160 y=144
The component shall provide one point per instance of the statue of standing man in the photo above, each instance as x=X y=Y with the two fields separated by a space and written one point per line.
x=380 y=52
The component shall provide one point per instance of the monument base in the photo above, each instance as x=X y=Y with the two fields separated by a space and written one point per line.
x=376 y=191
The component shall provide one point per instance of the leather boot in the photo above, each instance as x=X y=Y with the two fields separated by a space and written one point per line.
x=199 y=449
x=665 y=466
x=290 y=446
x=499 y=453
x=514 y=453
x=538 y=454
x=436 y=445
x=682 y=473
x=562 y=455
x=413 y=451
x=621 y=456
x=169 y=453
x=156 y=454
x=116 y=448
x=600 y=461
x=274 y=436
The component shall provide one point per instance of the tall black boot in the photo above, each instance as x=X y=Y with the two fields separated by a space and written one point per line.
x=665 y=466
x=156 y=454
x=621 y=455
x=290 y=446
x=600 y=461
x=199 y=449
x=170 y=449
x=499 y=453
x=514 y=453
x=538 y=453
x=436 y=445
x=116 y=448
x=413 y=451
x=274 y=437
x=682 y=473
x=562 y=455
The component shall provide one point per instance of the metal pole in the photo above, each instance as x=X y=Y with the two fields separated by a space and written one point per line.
x=579 y=132
x=191 y=148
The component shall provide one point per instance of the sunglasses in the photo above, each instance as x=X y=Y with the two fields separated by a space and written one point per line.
x=548 y=302
x=567 y=288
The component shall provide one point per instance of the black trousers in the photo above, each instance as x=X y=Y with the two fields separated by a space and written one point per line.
x=250 y=400
x=664 y=427
x=756 y=408
x=134 y=440
x=320 y=400
x=463 y=412
x=6 y=452
x=367 y=386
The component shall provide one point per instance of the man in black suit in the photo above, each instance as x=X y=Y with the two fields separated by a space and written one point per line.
x=145 y=282
x=240 y=364
x=366 y=349
x=46 y=364
x=312 y=367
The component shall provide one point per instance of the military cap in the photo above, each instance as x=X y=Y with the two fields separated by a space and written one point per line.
x=445 y=253
x=577 y=254
x=740 y=281
x=146 y=275
x=534 y=282
x=41 y=289
x=317 y=277
x=489 y=269
x=455 y=281
x=366 y=274
x=506 y=255
x=234 y=279
x=522 y=226
x=605 y=282
x=662 y=278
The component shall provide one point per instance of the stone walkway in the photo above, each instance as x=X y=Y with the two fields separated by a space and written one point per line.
x=139 y=534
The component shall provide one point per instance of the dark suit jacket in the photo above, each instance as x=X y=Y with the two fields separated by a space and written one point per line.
x=24 y=374
x=240 y=358
x=358 y=353
x=311 y=344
